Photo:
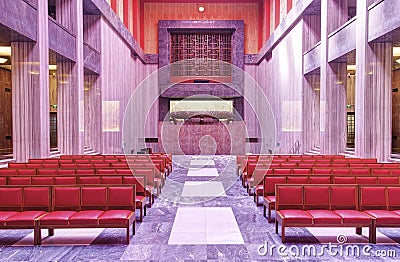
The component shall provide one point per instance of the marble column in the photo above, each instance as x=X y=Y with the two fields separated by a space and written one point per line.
x=373 y=104
x=30 y=93
x=70 y=124
x=333 y=82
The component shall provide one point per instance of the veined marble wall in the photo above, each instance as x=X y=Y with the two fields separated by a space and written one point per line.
x=280 y=77
x=121 y=74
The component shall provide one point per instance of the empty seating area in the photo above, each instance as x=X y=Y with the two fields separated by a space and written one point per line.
x=323 y=191
x=100 y=191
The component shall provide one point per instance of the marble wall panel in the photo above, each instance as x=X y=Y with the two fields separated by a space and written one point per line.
x=30 y=96
x=209 y=138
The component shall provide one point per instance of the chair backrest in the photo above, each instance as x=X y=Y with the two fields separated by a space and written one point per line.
x=282 y=171
x=316 y=197
x=344 y=197
x=66 y=198
x=270 y=182
x=93 y=197
x=373 y=197
x=289 y=197
x=121 y=197
x=301 y=171
x=393 y=195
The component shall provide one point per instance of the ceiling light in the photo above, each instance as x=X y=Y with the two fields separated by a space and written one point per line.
x=398 y=61
x=351 y=67
x=3 y=60
x=396 y=51
x=201 y=9
x=52 y=67
x=5 y=50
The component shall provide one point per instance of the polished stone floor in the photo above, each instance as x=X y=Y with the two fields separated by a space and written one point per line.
x=204 y=217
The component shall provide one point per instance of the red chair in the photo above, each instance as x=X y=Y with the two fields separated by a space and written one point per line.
x=19 y=181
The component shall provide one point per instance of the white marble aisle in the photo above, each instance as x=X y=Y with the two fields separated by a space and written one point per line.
x=204 y=225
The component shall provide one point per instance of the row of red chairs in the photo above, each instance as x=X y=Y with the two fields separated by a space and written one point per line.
x=267 y=188
x=337 y=206
x=53 y=207
x=144 y=184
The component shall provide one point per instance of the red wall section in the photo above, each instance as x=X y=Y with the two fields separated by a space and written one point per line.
x=249 y=12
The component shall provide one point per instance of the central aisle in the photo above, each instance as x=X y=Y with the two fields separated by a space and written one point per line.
x=203 y=213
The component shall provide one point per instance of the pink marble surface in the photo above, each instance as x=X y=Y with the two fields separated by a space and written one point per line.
x=194 y=138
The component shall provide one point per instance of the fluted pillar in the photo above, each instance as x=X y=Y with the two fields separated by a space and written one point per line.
x=373 y=104
x=333 y=82
x=70 y=75
x=30 y=93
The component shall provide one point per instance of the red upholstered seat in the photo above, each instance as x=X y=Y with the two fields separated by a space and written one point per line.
x=296 y=216
x=366 y=180
x=271 y=181
x=65 y=180
x=105 y=171
x=344 y=197
x=319 y=180
x=344 y=180
x=353 y=216
x=85 y=171
x=297 y=180
x=270 y=199
x=8 y=171
x=360 y=171
x=4 y=215
x=57 y=218
x=322 y=171
x=37 y=197
x=393 y=198
x=124 y=171
x=259 y=189
x=52 y=166
x=19 y=181
x=282 y=171
x=316 y=197
x=25 y=218
x=11 y=197
x=380 y=171
x=388 y=180
x=111 y=180
x=88 y=180
x=26 y=172
x=66 y=197
x=94 y=196
x=140 y=199
x=3 y=181
x=115 y=217
x=384 y=217
x=64 y=172
x=47 y=172
x=120 y=196
x=325 y=217
x=301 y=171
x=86 y=217
x=42 y=181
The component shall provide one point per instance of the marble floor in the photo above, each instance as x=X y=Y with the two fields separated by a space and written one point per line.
x=203 y=217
